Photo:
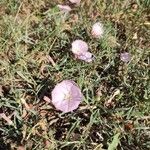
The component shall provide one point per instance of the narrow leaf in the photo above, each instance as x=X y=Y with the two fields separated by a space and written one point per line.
x=113 y=145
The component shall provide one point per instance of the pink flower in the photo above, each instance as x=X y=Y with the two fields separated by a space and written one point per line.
x=125 y=57
x=64 y=8
x=80 y=50
x=87 y=57
x=75 y=1
x=79 y=47
x=97 y=30
x=66 y=96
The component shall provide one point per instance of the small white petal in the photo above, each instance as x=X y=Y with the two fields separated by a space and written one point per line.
x=125 y=57
x=75 y=1
x=97 y=30
x=64 y=8
x=79 y=47
x=87 y=57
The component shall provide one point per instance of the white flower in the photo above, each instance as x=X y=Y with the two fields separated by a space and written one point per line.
x=75 y=1
x=79 y=47
x=87 y=57
x=97 y=30
x=80 y=50
x=64 y=8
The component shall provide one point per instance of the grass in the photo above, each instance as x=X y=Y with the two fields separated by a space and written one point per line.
x=32 y=30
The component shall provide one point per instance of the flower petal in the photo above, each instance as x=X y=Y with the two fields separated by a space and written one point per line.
x=97 y=30
x=125 y=57
x=64 y=8
x=75 y=1
x=87 y=56
x=79 y=47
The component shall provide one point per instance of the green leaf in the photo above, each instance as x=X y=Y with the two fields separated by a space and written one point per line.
x=113 y=145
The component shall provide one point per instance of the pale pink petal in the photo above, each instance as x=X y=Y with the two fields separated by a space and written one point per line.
x=97 y=30
x=73 y=105
x=79 y=47
x=125 y=57
x=68 y=106
x=86 y=57
x=75 y=1
x=59 y=87
x=76 y=93
x=80 y=50
x=89 y=60
x=64 y=8
x=66 y=96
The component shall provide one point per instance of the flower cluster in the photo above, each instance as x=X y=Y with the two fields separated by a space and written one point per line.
x=80 y=50
x=66 y=96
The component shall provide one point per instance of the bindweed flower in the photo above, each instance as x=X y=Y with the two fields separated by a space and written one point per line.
x=80 y=50
x=66 y=96
x=79 y=47
x=75 y=1
x=97 y=30
x=125 y=57
x=64 y=8
x=87 y=57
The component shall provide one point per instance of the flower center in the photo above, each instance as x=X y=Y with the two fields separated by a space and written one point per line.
x=68 y=97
